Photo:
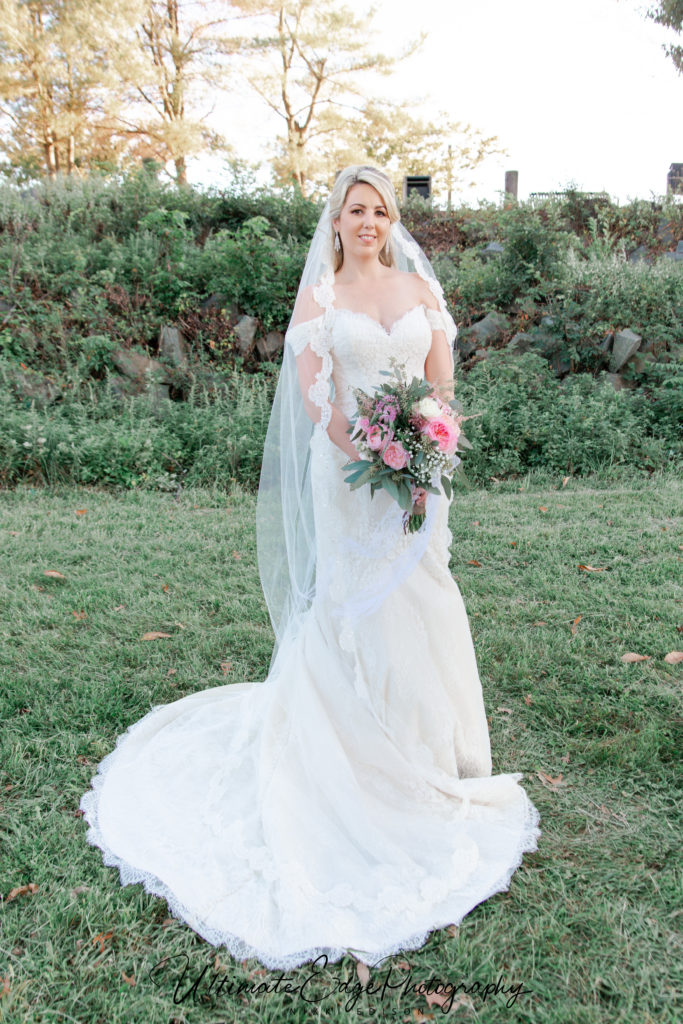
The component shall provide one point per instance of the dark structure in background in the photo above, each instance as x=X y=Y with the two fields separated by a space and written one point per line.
x=674 y=179
x=420 y=183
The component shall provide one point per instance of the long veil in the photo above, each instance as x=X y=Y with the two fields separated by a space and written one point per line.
x=285 y=526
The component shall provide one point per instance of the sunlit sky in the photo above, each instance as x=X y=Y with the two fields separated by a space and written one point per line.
x=578 y=92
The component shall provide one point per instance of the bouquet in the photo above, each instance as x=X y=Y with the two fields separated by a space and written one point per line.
x=407 y=436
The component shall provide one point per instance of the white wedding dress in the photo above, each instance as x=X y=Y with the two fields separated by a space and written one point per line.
x=346 y=803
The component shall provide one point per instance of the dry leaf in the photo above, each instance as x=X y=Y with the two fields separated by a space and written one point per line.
x=591 y=568
x=452 y=930
x=565 y=759
x=225 y=667
x=119 y=607
x=21 y=890
x=542 y=508
x=565 y=480
x=363 y=972
x=507 y=711
x=4 y=991
x=236 y=556
x=80 y=889
x=421 y=1018
x=631 y=656
x=171 y=672
x=79 y=615
x=81 y=511
x=475 y=523
x=102 y=938
x=82 y=759
x=165 y=588
x=474 y=562
x=539 y=623
x=673 y=657
x=179 y=625
x=155 y=636
x=549 y=781
x=513 y=543
x=128 y=981
x=54 y=575
x=575 y=623
x=528 y=700
x=14 y=533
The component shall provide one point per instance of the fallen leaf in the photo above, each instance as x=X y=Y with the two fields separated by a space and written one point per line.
x=179 y=625
x=421 y=1018
x=236 y=556
x=80 y=889
x=673 y=657
x=14 y=533
x=542 y=508
x=5 y=986
x=513 y=543
x=119 y=607
x=81 y=511
x=474 y=562
x=475 y=523
x=436 y=998
x=592 y=568
x=167 y=921
x=575 y=623
x=21 y=890
x=102 y=938
x=171 y=672
x=128 y=981
x=549 y=781
x=565 y=480
x=82 y=759
x=452 y=930
x=528 y=700
x=155 y=636
x=225 y=667
x=631 y=656
x=363 y=972
x=54 y=575
x=539 y=623
x=79 y=615
x=165 y=588
x=506 y=711
x=565 y=759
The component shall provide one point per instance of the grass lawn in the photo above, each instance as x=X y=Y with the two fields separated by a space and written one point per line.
x=589 y=926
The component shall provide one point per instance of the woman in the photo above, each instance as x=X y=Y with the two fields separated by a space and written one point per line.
x=347 y=803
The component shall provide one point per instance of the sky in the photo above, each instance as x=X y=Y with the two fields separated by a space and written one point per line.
x=578 y=92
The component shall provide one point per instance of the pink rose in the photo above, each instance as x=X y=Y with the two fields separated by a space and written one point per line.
x=444 y=431
x=374 y=438
x=395 y=455
x=363 y=424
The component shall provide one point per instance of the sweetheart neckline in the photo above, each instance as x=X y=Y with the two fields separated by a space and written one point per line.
x=390 y=330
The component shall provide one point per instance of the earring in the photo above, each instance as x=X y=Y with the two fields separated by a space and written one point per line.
x=337 y=243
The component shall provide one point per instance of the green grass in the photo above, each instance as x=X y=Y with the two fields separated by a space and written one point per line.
x=589 y=925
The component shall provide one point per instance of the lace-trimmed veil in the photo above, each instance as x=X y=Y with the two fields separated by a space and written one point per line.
x=285 y=527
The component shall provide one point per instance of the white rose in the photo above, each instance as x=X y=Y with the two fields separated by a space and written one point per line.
x=427 y=407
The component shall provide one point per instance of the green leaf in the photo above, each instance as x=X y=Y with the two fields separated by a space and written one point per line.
x=391 y=488
x=405 y=498
x=447 y=487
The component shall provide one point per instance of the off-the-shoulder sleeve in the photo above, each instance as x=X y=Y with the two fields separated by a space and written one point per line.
x=442 y=321
x=309 y=343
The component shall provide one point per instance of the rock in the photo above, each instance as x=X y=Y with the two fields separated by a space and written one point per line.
x=172 y=346
x=136 y=365
x=521 y=343
x=615 y=380
x=270 y=345
x=492 y=249
x=486 y=331
x=606 y=343
x=625 y=344
x=641 y=253
x=35 y=386
x=215 y=301
x=245 y=329
x=464 y=348
x=481 y=353
x=560 y=363
x=665 y=232
x=678 y=254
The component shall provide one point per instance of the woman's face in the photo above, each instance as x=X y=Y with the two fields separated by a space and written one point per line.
x=363 y=223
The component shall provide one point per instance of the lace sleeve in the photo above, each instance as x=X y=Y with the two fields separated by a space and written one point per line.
x=439 y=321
x=310 y=345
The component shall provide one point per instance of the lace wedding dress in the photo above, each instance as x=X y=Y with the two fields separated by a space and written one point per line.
x=346 y=803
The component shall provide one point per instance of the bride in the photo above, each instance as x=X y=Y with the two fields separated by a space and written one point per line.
x=346 y=804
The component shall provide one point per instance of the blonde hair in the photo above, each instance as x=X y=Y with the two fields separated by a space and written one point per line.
x=360 y=174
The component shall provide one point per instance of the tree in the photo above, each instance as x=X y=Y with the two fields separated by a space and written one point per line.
x=56 y=81
x=181 y=56
x=670 y=13
x=317 y=52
